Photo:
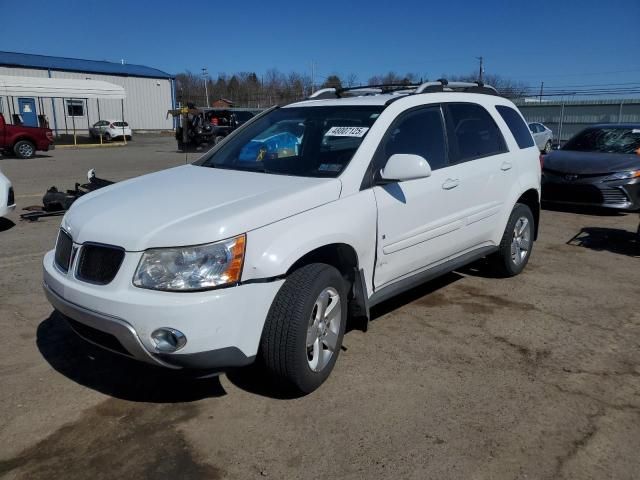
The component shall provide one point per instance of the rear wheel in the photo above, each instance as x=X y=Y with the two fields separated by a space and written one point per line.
x=24 y=149
x=303 y=332
x=517 y=243
x=107 y=137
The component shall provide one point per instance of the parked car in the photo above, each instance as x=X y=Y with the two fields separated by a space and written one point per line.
x=543 y=136
x=110 y=129
x=23 y=141
x=207 y=127
x=7 y=196
x=309 y=215
x=600 y=166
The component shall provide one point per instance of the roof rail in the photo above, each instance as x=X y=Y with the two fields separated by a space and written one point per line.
x=440 y=85
x=443 y=85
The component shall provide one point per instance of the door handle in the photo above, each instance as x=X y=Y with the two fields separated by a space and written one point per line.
x=506 y=166
x=450 y=183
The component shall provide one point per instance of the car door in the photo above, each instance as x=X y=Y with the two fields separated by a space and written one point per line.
x=417 y=219
x=482 y=163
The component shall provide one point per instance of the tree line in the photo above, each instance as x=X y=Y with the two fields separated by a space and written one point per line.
x=247 y=89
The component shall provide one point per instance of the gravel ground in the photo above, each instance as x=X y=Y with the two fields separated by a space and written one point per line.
x=465 y=377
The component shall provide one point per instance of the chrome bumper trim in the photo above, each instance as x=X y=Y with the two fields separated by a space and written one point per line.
x=115 y=326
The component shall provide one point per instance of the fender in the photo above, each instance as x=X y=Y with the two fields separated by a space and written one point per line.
x=274 y=248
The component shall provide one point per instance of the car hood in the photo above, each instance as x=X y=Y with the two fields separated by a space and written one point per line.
x=191 y=205
x=568 y=161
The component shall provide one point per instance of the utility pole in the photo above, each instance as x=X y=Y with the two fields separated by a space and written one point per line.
x=541 y=89
x=205 y=76
x=481 y=71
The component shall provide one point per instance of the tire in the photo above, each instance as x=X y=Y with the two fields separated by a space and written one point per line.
x=547 y=147
x=515 y=248
x=296 y=349
x=24 y=149
x=106 y=137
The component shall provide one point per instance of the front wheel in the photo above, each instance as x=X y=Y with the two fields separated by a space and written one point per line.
x=516 y=244
x=547 y=147
x=303 y=331
x=24 y=149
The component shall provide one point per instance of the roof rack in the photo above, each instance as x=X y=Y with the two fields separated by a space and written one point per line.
x=440 y=85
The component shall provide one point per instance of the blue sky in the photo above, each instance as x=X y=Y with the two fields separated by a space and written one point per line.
x=558 y=42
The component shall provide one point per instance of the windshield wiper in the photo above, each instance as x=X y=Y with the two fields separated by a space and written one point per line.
x=261 y=168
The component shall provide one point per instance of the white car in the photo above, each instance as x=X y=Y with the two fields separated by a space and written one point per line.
x=110 y=129
x=306 y=216
x=7 y=197
x=542 y=135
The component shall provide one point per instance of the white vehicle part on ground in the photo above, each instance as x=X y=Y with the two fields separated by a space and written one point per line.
x=5 y=186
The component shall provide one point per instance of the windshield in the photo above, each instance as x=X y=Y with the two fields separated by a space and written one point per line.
x=606 y=140
x=302 y=141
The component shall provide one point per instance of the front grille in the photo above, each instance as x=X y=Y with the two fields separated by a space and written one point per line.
x=99 y=263
x=63 y=250
x=11 y=199
x=103 y=339
x=580 y=193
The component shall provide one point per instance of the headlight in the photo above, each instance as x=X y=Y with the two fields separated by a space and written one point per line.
x=624 y=175
x=200 y=267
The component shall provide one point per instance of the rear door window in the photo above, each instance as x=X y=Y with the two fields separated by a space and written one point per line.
x=517 y=126
x=472 y=132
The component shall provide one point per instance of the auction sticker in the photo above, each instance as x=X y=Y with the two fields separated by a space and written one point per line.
x=346 y=132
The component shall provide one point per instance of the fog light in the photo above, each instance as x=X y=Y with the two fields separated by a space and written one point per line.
x=168 y=339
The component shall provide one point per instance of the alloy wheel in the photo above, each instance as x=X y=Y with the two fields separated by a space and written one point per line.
x=324 y=329
x=521 y=241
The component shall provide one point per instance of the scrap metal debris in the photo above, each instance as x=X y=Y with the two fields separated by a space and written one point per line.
x=55 y=202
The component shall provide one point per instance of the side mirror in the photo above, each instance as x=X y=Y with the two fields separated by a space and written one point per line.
x=405 y=166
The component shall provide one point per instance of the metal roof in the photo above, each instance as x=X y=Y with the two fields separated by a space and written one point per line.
x=28 y=60
x=59 y=88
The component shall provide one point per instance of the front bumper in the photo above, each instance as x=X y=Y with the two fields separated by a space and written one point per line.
x=223 y=327
x=619 y=195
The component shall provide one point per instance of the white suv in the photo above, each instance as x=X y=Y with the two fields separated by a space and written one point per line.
x=307 y=216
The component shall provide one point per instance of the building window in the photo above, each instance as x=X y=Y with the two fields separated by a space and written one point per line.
x=75 y=108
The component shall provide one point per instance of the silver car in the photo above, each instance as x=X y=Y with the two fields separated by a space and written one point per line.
x=542 y=135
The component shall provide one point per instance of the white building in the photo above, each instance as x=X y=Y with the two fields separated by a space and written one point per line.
x=149 y=93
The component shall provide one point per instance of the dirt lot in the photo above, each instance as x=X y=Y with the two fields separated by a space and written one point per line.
x=466 y=377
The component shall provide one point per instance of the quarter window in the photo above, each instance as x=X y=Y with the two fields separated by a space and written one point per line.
x=418 y=132
x=517 y=126
x=472 y=132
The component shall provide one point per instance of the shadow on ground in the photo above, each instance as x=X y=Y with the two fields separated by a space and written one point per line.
x=614 y=240
x=115 y=375
x=6 y=224
x=131 y=380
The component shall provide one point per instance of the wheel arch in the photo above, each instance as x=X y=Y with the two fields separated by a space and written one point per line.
x=531 y=199
x=344 y=258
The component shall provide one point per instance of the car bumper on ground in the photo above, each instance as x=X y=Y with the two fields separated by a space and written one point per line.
x=619 y=195
x=222 y=327
x=5 y=209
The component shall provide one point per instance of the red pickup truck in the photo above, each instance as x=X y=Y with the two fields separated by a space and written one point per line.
x=24 y=141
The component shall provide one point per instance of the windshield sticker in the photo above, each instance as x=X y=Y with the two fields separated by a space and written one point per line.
x=346 y=132
x=635 y=130
x=330 y=167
